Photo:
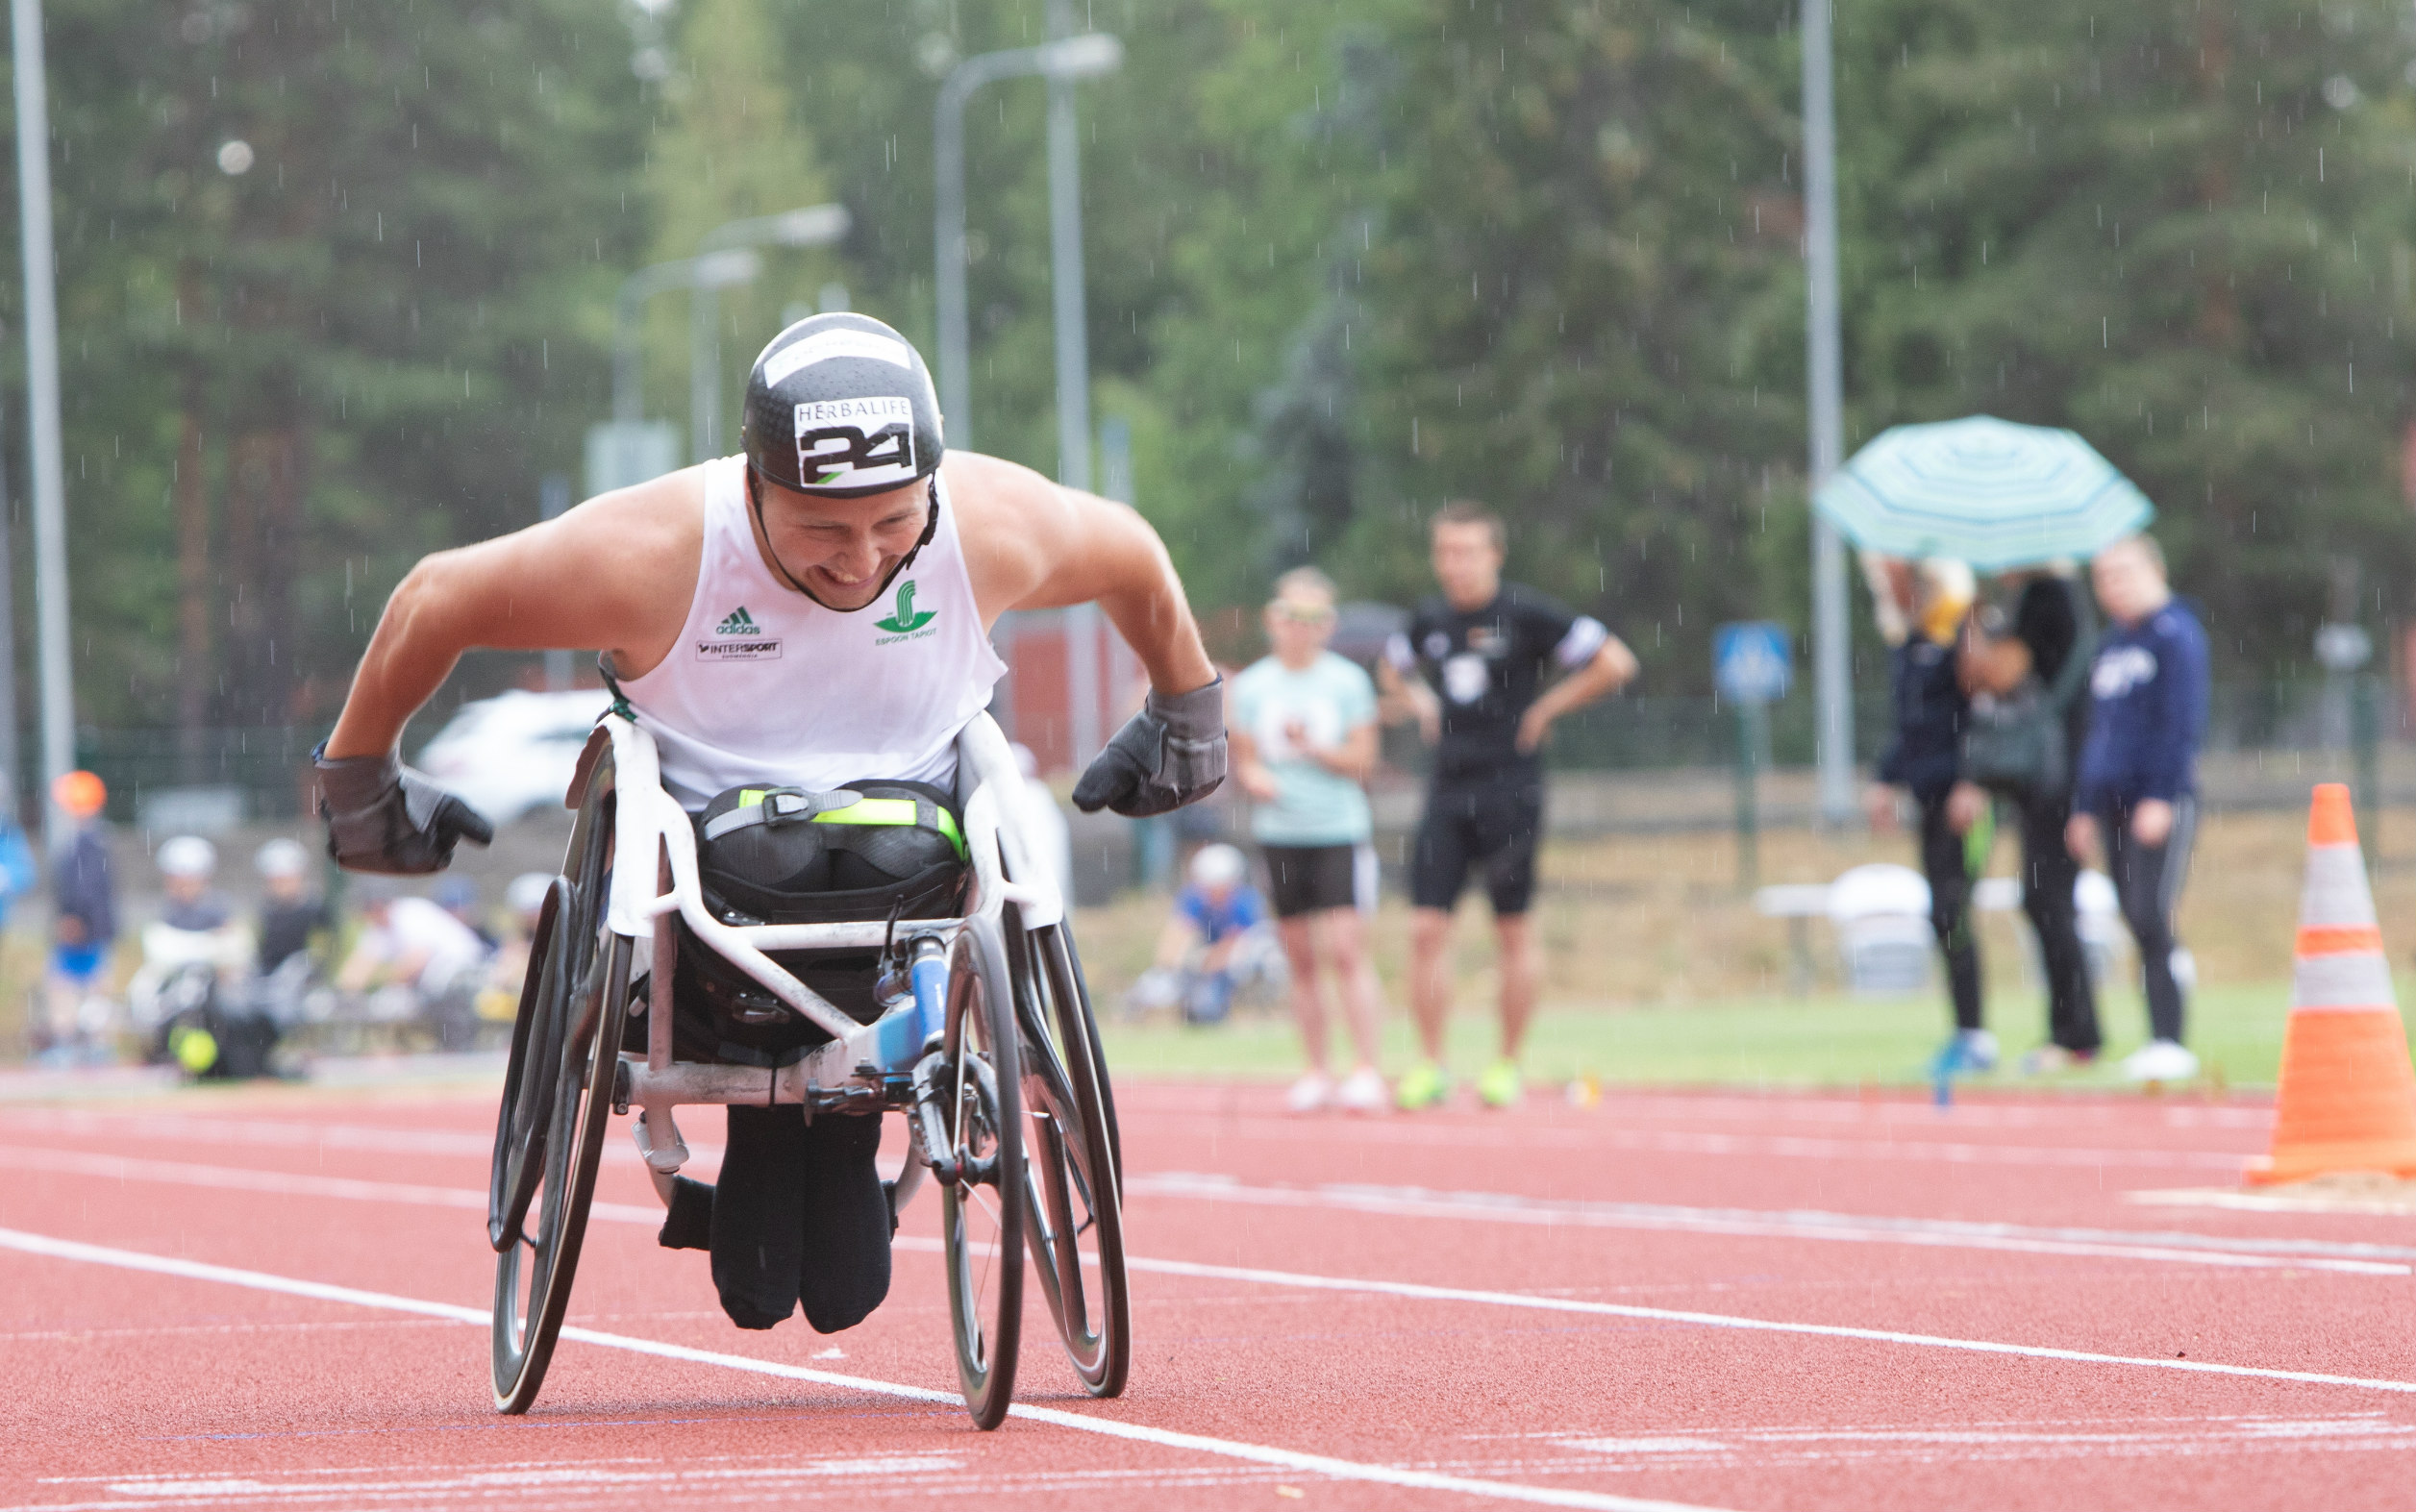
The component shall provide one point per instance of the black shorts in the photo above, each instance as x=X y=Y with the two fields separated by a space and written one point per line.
x=1309 y=878
x=1490 y=826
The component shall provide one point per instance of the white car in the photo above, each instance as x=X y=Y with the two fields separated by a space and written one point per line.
x=514 y=753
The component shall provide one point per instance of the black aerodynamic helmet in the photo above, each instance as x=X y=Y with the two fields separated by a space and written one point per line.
x=841 y=404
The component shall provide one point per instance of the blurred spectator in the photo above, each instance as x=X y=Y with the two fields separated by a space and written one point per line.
x=84 y=926
x=458 y=896
x=1203 y=950
x=2138 y=792
x=1304 y=741
x=1472 y=669
x=185 y=998
x=418 y=959
x=18 y=875
x=498 y=999
x=1924 y=758
x=188 y=866
x=2038 y=659
x=289 y=916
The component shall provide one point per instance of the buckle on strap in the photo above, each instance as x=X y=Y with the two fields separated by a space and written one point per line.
x=779 y=805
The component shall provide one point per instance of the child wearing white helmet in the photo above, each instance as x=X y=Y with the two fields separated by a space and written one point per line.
x=1213 y=918
x=289 y=912
x=187 y=865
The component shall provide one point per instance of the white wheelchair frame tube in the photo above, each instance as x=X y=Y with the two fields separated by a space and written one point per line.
x=650 y=829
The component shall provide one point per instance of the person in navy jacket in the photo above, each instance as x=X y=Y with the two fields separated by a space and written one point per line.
x=2138 y=783
x=1925 y=758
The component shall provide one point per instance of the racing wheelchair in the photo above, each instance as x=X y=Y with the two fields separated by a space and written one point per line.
x=983 y=1040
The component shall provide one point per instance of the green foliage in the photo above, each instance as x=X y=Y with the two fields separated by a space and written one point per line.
x=371 y=326
x=1346 y=258
x=2183 y=230
x=1581 y=293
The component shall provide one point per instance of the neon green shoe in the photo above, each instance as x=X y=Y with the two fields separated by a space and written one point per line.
x=1500 y=1084
x=1423 y=1085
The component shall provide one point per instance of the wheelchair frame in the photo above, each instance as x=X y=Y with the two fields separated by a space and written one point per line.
x=1011 y=945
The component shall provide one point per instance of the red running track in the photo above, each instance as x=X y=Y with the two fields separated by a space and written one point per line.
x=276 y=1299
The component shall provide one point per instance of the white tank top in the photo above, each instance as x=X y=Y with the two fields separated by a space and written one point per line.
x=765 y=686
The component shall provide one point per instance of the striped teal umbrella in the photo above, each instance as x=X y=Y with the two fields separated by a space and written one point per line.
x=1988 y=491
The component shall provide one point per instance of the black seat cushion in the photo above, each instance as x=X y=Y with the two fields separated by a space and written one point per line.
x=804 y=870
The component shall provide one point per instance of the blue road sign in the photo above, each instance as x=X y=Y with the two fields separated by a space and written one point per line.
x=1752 y=661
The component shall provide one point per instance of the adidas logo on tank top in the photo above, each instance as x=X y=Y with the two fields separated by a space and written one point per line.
x=738 y=638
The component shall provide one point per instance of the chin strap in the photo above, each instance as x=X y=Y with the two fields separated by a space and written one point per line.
x=931 y=528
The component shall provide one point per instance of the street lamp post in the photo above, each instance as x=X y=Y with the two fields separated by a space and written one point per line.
x=42 y=384
x=1061 y=61
x=629 y=451
x=1084 y=56
x=1833 y=681
x=811 y=226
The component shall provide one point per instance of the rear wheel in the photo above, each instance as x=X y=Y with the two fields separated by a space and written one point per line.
x=983 y=1211
x=1076 y=1229
x=558 y=1097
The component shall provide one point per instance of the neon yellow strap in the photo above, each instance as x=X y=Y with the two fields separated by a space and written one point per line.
x=873 y=811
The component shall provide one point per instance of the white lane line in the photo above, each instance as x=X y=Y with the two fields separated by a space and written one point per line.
x=1716 y=1320
x=1501 y=1207
x=2114 y=1111
x=2390 y=1200
x=1197 y=1443
x=1528 y=1139
x=282 y=1134
x=1404 y=1201
x=652 y=1218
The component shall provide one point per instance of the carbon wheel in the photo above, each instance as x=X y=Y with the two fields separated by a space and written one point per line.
x=983 y=1211
x=1077 y=1227
x=558 y=1097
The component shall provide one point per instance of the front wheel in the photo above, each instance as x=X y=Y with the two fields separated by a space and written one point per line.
x=558 y=1097
x=983 y=1212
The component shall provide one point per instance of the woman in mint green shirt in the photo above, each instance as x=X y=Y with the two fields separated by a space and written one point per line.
x=1304 y=741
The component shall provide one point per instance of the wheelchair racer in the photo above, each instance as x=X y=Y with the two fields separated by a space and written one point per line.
x=812 y=612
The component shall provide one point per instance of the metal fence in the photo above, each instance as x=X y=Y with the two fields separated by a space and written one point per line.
x=161 y=776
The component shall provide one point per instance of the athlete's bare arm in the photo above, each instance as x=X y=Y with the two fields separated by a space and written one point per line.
x=616 y=573
x=1031 y=544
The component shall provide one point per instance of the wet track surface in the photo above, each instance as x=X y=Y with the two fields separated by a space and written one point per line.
x=276 y=1298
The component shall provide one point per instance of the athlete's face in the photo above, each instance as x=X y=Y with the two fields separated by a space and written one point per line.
x=843 y=549
x=1467 y=564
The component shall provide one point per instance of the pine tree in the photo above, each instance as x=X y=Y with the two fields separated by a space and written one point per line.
x=2183 y=230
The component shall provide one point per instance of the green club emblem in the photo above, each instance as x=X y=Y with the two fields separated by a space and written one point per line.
x=905 y=618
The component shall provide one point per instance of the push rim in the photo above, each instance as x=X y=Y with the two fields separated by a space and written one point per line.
x=984 y=1212
x=557 y=1103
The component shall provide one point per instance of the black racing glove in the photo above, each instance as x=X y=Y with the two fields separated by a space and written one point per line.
x=382 y=816
x=1170 y=753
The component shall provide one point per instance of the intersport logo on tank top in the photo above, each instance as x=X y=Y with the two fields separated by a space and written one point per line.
x=738 y=638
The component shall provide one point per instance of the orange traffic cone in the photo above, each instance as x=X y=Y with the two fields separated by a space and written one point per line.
x=2348 y=1098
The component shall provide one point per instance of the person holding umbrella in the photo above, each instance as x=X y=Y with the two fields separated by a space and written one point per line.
x=2009 y=498
x=2040 y=653
x=1924 y=758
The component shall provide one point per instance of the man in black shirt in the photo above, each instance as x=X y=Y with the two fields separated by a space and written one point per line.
x=1485 y=647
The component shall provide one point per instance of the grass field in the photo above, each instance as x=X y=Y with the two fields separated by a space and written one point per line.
x=1658 y=969
x=1824 y=1041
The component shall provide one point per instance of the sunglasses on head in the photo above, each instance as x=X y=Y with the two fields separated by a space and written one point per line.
x=1301 y=613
